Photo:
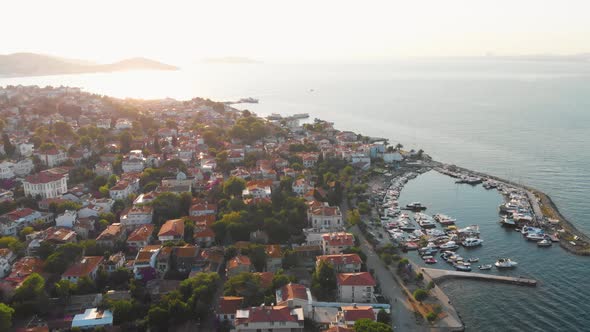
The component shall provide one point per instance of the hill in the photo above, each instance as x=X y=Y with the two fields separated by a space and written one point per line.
x=32 y=64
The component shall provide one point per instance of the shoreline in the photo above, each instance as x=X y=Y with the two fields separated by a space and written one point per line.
x=548 y=208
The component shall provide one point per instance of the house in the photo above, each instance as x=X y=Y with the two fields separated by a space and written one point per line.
x=7 y=257
x=137 y=215
x=163 y=260
x=204 y=236
x=201 y=208
x=144 y=265
x=390 y=157
x=66 y=219
x=300 y=186
x=269 y=318
x=59 y=236
x=237 y=265
x=6 y=170
x=295 y=296
x=86 y=267
x=181 y=179
x=112 y=234
x=342 y=263
x=103 y=123
x=23 y=268
x=258 y=189
x=93 y=318
x=45 y=184
x=350 y=314
x=91 y=210
x=172 y=230
x=103 y=168
x=23 y=167
x=336 y=243
x=133 y=162
x=114 y=262
x=185 y=257
x=121 y=190
x=84 y=226
x=227 y=306
x=13 y=222
x=274 y=257
x=325 y=217
x=309 y=159
x=140 y=237
x=52 y=157
x=355 y=287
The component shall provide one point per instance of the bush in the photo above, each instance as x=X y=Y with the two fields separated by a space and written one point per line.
x=419 y=276
x=431 y=316
x=420 y=294
x=430 y=285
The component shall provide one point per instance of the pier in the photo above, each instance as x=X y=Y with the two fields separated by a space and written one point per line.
x=439 y=275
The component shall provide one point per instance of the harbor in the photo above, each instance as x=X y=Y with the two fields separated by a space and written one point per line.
x=440 y=275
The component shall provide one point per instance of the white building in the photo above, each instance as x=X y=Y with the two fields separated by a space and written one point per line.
x=123 y=124
x=23 y=167
x=93 y=318
x=133 y=162
x=355 y=287
x=53 y=157
x=336 y=243
x=390 y=157
x=325 y=217
x=66 y=219
x=45 y=184
x=122 y=189
x=137 y=215
x=25 y=149
x=269 y=318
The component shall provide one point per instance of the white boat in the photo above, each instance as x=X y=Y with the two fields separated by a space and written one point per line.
x=505 y=263
x=535 y=237
x=485 y=267
x=507 y=222
x=444 y=219
x=451 y=245
x=470 y=230
x=472 y=242
x=473 y=260
x=544 y=243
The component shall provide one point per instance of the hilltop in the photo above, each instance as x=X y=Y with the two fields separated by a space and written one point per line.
x=32 y=64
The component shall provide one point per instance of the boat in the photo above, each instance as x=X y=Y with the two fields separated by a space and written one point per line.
x=426 y=223
x=485 y=267
x=535 y=237
x=415 y=206
x=505 y=263
x=431 y=260
x=411 y=246
x=544 y=243
x=507 y=222
x=450 y=245
x=472 y=242
x=444 y=219
x=473 y=260
x=463 y=268
x=470 y=230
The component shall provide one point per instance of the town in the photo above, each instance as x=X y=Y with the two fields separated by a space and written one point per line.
x=122 y=214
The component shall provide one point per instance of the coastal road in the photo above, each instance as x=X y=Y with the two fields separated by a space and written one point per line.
x=403 y=316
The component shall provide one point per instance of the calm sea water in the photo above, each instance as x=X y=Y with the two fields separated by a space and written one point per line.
x=526 y=121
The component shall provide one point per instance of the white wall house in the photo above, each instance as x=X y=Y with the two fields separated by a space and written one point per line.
x=53 y=157
x=355 y=287
x=66 y=219
x=137 y=215
x=6 y=170
x=45 y=184
x=325 y=217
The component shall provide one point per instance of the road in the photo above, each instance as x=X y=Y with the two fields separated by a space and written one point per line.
x=402 y=313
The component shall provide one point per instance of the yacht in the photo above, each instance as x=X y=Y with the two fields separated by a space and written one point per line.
x=473 y=260
x=415 y=206
x=505 y=263
x=451 y=245
x=472 y=242
x=507 y=222
x=426 y=223
x=535 y=237
x=463 y=267
x=444 y=219
x=485 y=267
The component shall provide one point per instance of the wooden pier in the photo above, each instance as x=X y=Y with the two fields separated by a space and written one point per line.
x=439 y=275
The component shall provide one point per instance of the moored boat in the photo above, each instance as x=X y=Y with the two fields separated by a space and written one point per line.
x=484 y=267
x=544 y=243
x=472 y=242
x=505 y=263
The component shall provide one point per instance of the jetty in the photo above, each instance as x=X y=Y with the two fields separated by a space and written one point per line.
x=440 y=275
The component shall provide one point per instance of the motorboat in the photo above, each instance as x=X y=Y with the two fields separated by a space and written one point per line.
x=473 y=260
x=535 y=237
x=470 y=230
x=507 y=222
x=484 y=267
x=415 y=206
x=544 y=243
x=444 y=219
x=426 y=223
x=450 y=245
x=505 y=263
x=472 y=242
x=431 y=260
x=463 y=268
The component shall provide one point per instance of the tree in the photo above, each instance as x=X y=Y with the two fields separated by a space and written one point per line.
x=234 y=186
x=367 y=325
x=64 y=289
x=6 y=313
x=30 y=297
x=246 y=285
x=122 y=311
x=420 y=294
x=158 y=318
x=85 y=285
x=324 y=281
x=353 y=217
x=383 y=317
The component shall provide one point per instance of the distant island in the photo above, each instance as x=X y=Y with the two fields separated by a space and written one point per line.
x=32 y=64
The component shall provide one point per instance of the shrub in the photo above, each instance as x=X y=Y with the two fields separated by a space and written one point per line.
x=420 y=294
x=431 y=316
x=419 y=276
x=430 y=285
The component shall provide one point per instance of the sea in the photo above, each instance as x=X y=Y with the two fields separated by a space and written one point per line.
x=527 y=121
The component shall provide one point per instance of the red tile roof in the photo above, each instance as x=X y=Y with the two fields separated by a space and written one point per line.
x=340 y=259
x=293 y=291
x=228 y=305
x=355 y=279
x=24 y=267
x=174 y=227
x=43 y=177
x=237 y=261
x=84 y=267
x=142 y=233
x=338 y=239
x=354 y=313
x=265 y=278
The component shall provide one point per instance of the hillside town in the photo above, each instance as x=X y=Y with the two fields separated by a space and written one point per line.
x=122 y=214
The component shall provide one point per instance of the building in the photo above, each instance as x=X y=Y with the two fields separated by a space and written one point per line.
x=258 y=189
x=133 y=162
x=136 y=216
x=92 y=319
x=336 y=243
x=355 y=287
x=237 y=265
x=350 y=314
x=114 y=262
x=53 y=157
x=202 y=209
x=13 y=222
x=112 y=234
x=274 y=258
x=185 y=257
x=144 y=265
x=121 y=190
x=6 y=170
x=140 y=237
x=172 y=230
x=204 y=236
x=103 y=168
x=269 y=318
x=227 y=306
x=342 y=263
x=22 y=269
x=300 y=186
x=87 y=267
x=325 y=217
x=295 y=296
x=66 y=219
x=45 y=184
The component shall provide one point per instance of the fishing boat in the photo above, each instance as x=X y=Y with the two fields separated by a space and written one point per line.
x=535 y=237
x=505 y=263
x=484 y=267
x=544 y=243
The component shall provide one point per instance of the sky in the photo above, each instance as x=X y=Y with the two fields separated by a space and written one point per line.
x=186 y=31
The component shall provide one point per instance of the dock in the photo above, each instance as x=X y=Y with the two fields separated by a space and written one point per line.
x=439 y=275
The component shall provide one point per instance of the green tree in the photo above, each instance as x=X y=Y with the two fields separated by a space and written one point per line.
x=323 y=282
x=383 y=317
x=234 y=186
x=158 y=318
x=246 y=285
x=122 y=311
x=353 y=217
x=367 y=325
x=85 y=285
x=6 y=313
x=64 y=289
x=30 y=297
x=420 y=294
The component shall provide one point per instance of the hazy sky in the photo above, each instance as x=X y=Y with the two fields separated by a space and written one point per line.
x=182 y=31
